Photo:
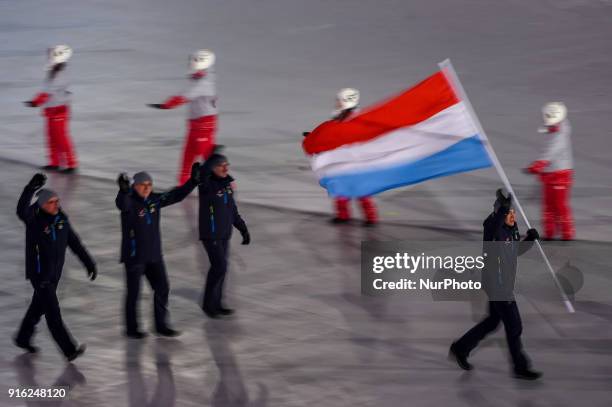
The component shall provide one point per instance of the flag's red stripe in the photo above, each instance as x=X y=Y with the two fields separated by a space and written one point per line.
x=418 y=103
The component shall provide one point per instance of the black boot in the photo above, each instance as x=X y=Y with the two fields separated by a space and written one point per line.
x=226 y=311
x=168 y=332
x=459 y=357
x=26 y=346
x=526 y=374
x=78 y=352
x=339 y=221
x=211 y=314
x=136 y=334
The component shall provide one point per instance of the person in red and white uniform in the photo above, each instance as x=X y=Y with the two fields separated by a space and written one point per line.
x=55 y=99
x=556 y=171
x=201 y=96
x=347 y=103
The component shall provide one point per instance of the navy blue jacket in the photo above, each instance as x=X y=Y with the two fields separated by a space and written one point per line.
x=47 y=237
x=218 y=211
x=140 y=231
x=502 y=245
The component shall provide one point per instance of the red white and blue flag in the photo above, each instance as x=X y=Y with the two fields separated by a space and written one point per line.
x=426 y=132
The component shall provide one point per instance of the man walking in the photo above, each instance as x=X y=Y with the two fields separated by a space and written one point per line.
x=218 y=214
x=141 y=249
x=48 y=233
x=502 y=246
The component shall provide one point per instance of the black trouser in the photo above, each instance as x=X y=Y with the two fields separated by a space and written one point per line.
x=218 y=251
x=156 y=274
x=44 y=302
x=499 y=311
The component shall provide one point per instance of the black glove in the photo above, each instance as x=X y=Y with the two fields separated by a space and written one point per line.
x=532 y=234
x=156 y=105
x=195 y=173
x=502 y=201
x=29 y=103
x=306 y=134
x=37 y=181
x=92 y=272
x=246 y=236
x=124 y=182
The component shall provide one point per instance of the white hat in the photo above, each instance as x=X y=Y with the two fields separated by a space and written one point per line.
x=554 y=113
x=58 y=54
x=347 y=98
x=201 y=59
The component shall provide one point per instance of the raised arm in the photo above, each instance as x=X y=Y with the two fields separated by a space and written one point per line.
x=25 y=210
x=123 y=196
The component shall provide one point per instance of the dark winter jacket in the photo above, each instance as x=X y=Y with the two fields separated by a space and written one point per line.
x=140 y=231
x=46 y=239
x=502 y=245
x=218 y=210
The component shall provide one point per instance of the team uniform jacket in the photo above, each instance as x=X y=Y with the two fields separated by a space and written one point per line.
x=47 y=237
x=140 y=231
x=502 y=245
x=218 y=211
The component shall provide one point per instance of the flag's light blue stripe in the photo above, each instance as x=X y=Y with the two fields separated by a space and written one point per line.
x=466 y=155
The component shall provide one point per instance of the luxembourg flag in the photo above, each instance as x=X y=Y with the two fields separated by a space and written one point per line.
x=426 y=132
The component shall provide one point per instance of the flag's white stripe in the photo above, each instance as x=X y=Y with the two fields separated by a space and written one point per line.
x=404 y=145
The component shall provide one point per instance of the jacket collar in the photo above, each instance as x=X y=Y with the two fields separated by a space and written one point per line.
x=48 y=217
x=138 y=198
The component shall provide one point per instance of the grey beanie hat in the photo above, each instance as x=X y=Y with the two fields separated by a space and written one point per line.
x=141 y=177
x=215 y=160
x=44 y=195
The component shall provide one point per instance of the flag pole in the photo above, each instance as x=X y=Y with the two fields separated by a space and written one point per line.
x=447 y=68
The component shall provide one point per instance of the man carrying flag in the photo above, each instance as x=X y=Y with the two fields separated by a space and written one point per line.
x=423 y=133
x=502 y=246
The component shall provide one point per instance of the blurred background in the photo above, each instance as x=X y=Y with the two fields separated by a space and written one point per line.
x=303 y=334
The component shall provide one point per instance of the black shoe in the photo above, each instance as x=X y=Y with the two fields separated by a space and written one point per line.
x=136 y=335
x=69 y=170
x=527 y=374
x=459 y=357
x=369 y=223
x=50 y=167
x=169 y=332
x=211 y=314
x=26 y=346
x=78 y=352
x=226 y=311
x=339 y=221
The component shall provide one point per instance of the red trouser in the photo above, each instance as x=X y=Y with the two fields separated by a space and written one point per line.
x=556 y=210
x=199 y=143
x=367 y=205
x=59 y=143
